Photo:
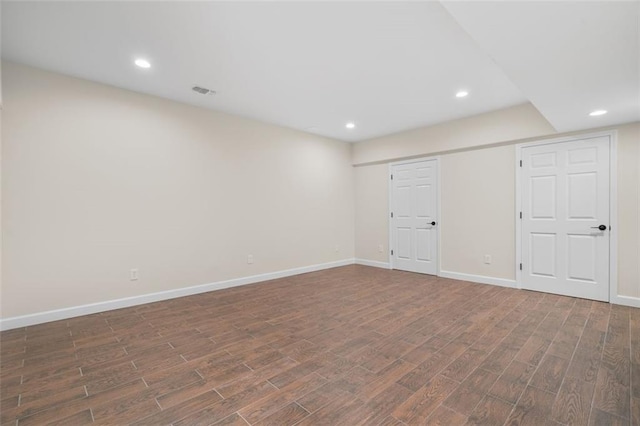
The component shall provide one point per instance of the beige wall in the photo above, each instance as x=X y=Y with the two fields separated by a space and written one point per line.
x=372 y=208
x=478 y=194
x=468 y=231
x=1 y=257
x=492 y=226
x=478 y=199
x=98 y=180
x=629 y=210
x=515 y=123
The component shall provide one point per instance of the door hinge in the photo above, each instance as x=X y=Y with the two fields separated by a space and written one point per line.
x=391 y=252
x=391 y=177
x=520 y=163
x=391 y=214
x=521 y=266
x=520 y=215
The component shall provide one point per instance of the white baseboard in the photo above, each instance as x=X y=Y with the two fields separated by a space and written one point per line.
x=502 y=282
x=75 y=311
x=374 y=263
x=634 y=302
x=618 y=300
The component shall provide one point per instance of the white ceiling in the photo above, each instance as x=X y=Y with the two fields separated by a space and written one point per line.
x=387 y=66
x=567 y=58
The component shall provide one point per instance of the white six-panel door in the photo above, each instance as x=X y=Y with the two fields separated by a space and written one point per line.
x=414 y=236
x=565 y=199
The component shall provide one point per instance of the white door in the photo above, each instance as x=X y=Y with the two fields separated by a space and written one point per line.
x=565 y=218
x=414 y=222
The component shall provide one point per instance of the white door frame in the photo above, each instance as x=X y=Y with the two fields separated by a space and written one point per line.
x=439 y=212
x=613 y=204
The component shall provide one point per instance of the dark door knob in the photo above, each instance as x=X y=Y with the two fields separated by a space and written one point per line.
x=601 y=227
x=433 y=223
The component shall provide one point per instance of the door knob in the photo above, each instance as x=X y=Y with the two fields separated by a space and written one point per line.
x=601 y=227
x=433 y=223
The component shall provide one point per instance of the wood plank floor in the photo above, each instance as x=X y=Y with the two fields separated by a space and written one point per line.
x=346 y=346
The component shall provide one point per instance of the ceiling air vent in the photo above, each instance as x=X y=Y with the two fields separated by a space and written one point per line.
x=202 y=90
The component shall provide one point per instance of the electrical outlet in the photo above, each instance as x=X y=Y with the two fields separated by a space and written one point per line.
x=133 y=275
x=380 y=248
x=250 y=259
x=487 y=259
x=337 y=248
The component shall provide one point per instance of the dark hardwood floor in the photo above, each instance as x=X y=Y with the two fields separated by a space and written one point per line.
x=346 y=346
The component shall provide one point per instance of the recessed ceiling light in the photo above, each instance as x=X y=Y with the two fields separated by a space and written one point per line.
x=350 y=125
x=462 y=94
x=142 y=63
x=598 y=112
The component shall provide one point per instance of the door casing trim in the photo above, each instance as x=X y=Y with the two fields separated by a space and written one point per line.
x=613 y=204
